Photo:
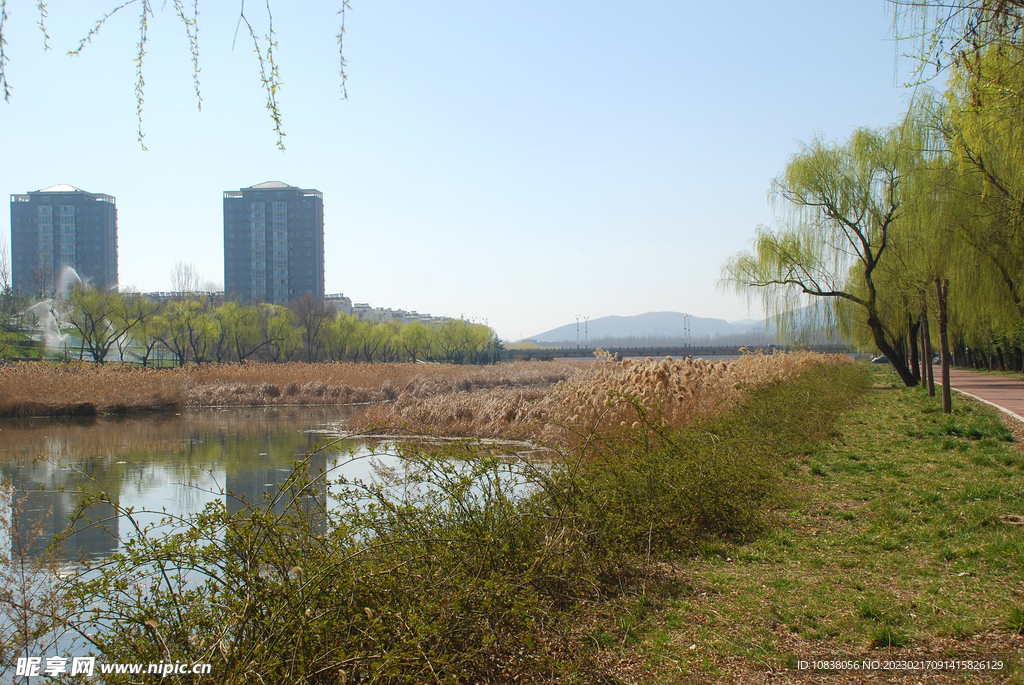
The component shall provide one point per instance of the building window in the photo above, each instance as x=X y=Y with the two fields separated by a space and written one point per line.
x=258 y=195
x=280 y=193
x=308 y=205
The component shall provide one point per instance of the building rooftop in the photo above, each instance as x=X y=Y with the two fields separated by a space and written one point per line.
x=61 y=188
x=269 y=184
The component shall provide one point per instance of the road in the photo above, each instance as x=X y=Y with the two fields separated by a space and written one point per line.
x=1005 y=393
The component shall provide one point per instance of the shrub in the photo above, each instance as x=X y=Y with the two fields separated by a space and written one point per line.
x=462 y=565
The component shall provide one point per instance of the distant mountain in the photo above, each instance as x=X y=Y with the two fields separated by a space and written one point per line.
x=748 y=322
x=669 y=328
x=649 y=325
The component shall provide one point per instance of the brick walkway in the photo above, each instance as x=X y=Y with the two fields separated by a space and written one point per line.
x=1005 y=393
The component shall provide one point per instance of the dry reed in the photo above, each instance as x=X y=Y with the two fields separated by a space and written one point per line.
x=78 y=389
x=597 y=399
x=512 y=400
x=36 y=389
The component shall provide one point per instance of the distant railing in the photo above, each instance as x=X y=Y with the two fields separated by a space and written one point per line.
x=663 y=351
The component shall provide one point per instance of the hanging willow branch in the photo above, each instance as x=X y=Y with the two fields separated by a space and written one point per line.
x=3 y=55
x=341 y=51
x=140 y=82
x=264 y=48
x=41 y=6
x=949 y=32
x=192 y=31
x=269 y=75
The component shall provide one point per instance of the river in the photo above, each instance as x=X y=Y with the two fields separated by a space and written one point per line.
x=174 y=462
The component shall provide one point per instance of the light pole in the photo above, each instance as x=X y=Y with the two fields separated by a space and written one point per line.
x=586 y=334
x=577 y=331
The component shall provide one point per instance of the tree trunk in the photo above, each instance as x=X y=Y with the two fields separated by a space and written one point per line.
x=898 y=361
x=926 y=343
x=912 y=339
x=942 y=287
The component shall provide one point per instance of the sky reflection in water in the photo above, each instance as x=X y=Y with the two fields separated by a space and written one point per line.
x=177 y=462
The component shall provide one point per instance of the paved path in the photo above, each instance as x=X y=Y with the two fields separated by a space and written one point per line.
x=1004 y=393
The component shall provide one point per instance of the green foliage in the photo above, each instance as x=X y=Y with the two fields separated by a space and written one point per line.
x=886 y=636
x=654 y=491
x=842 y=202
x=1015 y=620
x=457 y=565
x=195 y=329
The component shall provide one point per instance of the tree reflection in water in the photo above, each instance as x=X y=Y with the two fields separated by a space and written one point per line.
x=158 y=462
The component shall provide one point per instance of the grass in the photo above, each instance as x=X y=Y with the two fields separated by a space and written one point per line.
x=823 y=514
x=891 y=543
x=599 y=399
x=464 y=577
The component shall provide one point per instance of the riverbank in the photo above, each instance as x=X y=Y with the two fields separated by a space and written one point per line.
x=469 y=577
x=823 y=515
x=901 y=540
x=550 y=401
x=81 y=389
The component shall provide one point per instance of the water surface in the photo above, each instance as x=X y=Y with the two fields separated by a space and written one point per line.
x=174 y=462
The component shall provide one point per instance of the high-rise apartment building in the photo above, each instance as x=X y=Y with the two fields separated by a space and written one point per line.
x=273 y=243
x=58 y=227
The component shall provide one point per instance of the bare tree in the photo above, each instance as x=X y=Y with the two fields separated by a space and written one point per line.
x=5 y=268
x=314 y=316
x=185 y=279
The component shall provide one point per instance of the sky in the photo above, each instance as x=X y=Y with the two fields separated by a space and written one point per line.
x=519 y=164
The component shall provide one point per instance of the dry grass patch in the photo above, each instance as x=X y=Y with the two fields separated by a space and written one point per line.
x=78 y=389
x=41 y=389
x=595 y=398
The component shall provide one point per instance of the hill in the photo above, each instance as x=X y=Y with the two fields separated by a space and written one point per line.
x=666 y=325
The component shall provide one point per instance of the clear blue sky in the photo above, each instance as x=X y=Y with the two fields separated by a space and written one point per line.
x=516 y=162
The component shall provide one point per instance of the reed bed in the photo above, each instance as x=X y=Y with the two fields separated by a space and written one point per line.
x=78 y=389
x=674 y=391
x=37 y=389
x=597 y=399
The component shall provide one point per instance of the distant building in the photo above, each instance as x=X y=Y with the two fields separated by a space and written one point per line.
x=342 y=304
x=273 y=243
x=165 y=296
x=62 y=226
x=364 y=312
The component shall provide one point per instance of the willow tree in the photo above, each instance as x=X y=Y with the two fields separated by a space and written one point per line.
x=103 y=317
x=945 y=33
x=927 y=249
x=979 y=45
x=841 y=201
x=985 y=134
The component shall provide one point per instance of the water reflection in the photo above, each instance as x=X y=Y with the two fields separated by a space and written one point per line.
x=174 y=463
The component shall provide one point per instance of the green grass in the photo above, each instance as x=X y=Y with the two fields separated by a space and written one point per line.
x=891 y=539
x=822 y=516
